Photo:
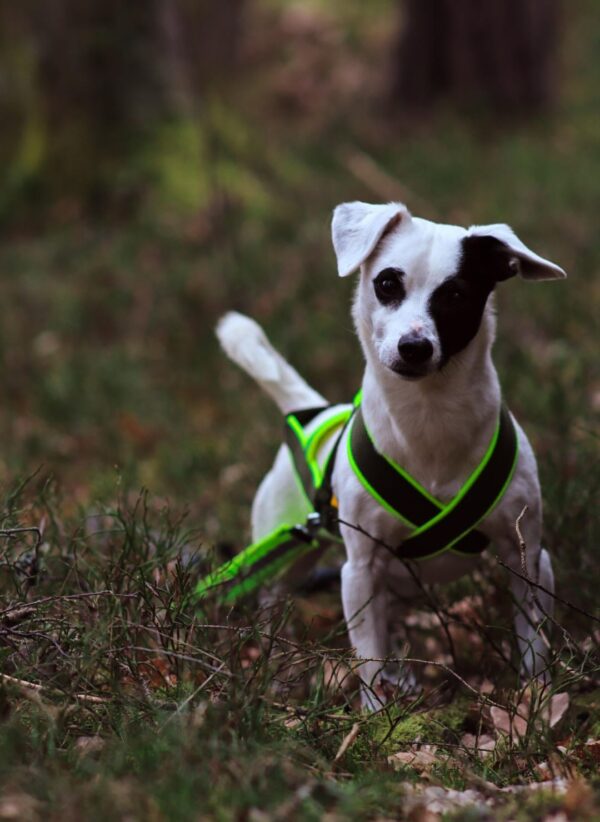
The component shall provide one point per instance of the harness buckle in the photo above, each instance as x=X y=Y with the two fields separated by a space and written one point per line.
x=310 y=529
x=314 y=523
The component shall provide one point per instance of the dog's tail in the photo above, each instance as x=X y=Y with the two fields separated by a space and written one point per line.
x=244 y=341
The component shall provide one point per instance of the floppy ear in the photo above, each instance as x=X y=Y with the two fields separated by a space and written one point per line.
x=521 y=260
x=358 y=227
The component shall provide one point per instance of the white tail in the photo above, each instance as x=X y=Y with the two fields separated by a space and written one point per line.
x=244 y=341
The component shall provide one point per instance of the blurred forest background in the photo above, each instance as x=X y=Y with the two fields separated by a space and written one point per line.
x=165 y=161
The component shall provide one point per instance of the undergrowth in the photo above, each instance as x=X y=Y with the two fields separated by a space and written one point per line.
x=119 y=696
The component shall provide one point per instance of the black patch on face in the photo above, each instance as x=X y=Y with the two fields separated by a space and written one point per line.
x=388 y=286
x=457 y=305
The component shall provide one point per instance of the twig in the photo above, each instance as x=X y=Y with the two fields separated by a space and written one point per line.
x=11 y=532
x=347 y=741
x=522 y=546
x=61 y=597
x=547 y=591
x=34 y=686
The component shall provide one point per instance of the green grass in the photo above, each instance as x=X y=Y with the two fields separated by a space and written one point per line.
x=113 y=381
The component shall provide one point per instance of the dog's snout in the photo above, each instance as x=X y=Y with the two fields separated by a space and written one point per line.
x=415 y=350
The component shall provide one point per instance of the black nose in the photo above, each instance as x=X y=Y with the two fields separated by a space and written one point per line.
x=415 y=350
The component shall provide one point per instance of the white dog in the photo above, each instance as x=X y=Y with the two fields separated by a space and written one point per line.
x=431 y=401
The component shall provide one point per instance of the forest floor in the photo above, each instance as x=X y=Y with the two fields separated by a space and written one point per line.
x=117 y=697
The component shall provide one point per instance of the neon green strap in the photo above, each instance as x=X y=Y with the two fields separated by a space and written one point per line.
x=256 y=564
x=436 y=527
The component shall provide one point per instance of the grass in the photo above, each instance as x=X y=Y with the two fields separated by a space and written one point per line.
x=113 y=382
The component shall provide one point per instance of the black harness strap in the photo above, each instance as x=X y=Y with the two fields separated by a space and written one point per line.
x=385 y=480
x=438 y=527
x=301 y=466
x=319 y=495
x=472 y=506
x=398 y=492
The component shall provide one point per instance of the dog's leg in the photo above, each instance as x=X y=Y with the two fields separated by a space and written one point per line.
x=364 y=603
x=533 y=607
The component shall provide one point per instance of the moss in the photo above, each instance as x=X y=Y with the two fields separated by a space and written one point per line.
x=397 y=730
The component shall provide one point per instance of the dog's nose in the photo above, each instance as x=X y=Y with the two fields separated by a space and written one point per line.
x=415 y=350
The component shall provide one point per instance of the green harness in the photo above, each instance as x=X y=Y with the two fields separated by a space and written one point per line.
x=436 y=527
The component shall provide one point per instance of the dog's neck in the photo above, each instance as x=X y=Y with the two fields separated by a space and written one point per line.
x=437 y=428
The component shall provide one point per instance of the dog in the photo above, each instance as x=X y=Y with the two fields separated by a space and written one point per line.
x=424 y=314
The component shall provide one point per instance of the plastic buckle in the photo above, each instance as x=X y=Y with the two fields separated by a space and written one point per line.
x=309 y=531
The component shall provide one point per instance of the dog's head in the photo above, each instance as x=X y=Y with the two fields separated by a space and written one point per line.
x=424 y=286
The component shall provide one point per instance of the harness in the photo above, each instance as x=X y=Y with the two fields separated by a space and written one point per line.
x=436 y=527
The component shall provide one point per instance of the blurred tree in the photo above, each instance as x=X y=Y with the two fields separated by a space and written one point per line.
x=208 y=37
x=99 y=76
x=101 y=83
x=500 y=53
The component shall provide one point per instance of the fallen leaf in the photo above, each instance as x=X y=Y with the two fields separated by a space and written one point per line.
x=543 y=771
x=555 y=766
x=421 y=759
x=292 y=722
x=347 y=741
x=19 y=806
x=483 y=745
x=512 y=724
x=559 y=704
x=89 y=744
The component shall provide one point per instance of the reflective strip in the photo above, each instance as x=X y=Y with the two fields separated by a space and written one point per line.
x=254 y=565
x=389 y=484
x=476 y=499
x=437 y=527
x=304 y=448
x=396 y=491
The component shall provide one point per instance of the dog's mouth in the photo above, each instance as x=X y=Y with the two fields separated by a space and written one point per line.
x=410 y=372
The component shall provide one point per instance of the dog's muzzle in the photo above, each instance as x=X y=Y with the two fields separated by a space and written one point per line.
x=415 y=356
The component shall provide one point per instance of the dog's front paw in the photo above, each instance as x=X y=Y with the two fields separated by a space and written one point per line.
x=398 y=679
x=395 y=681
x=541 y=681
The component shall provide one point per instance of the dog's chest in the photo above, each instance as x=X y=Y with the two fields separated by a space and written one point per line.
x=441 y=464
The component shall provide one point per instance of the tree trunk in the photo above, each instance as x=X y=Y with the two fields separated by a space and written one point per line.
x=101 y=86
x=496 y=53
x=104 y=73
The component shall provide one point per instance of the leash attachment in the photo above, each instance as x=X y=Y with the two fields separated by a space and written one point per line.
x=258 y=563
x=266 y=558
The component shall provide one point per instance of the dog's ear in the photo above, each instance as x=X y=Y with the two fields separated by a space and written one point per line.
x=356 y=229
x=519 y=259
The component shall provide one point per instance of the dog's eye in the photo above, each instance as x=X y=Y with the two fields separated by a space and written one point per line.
x=455 y=292
x=388 y=285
